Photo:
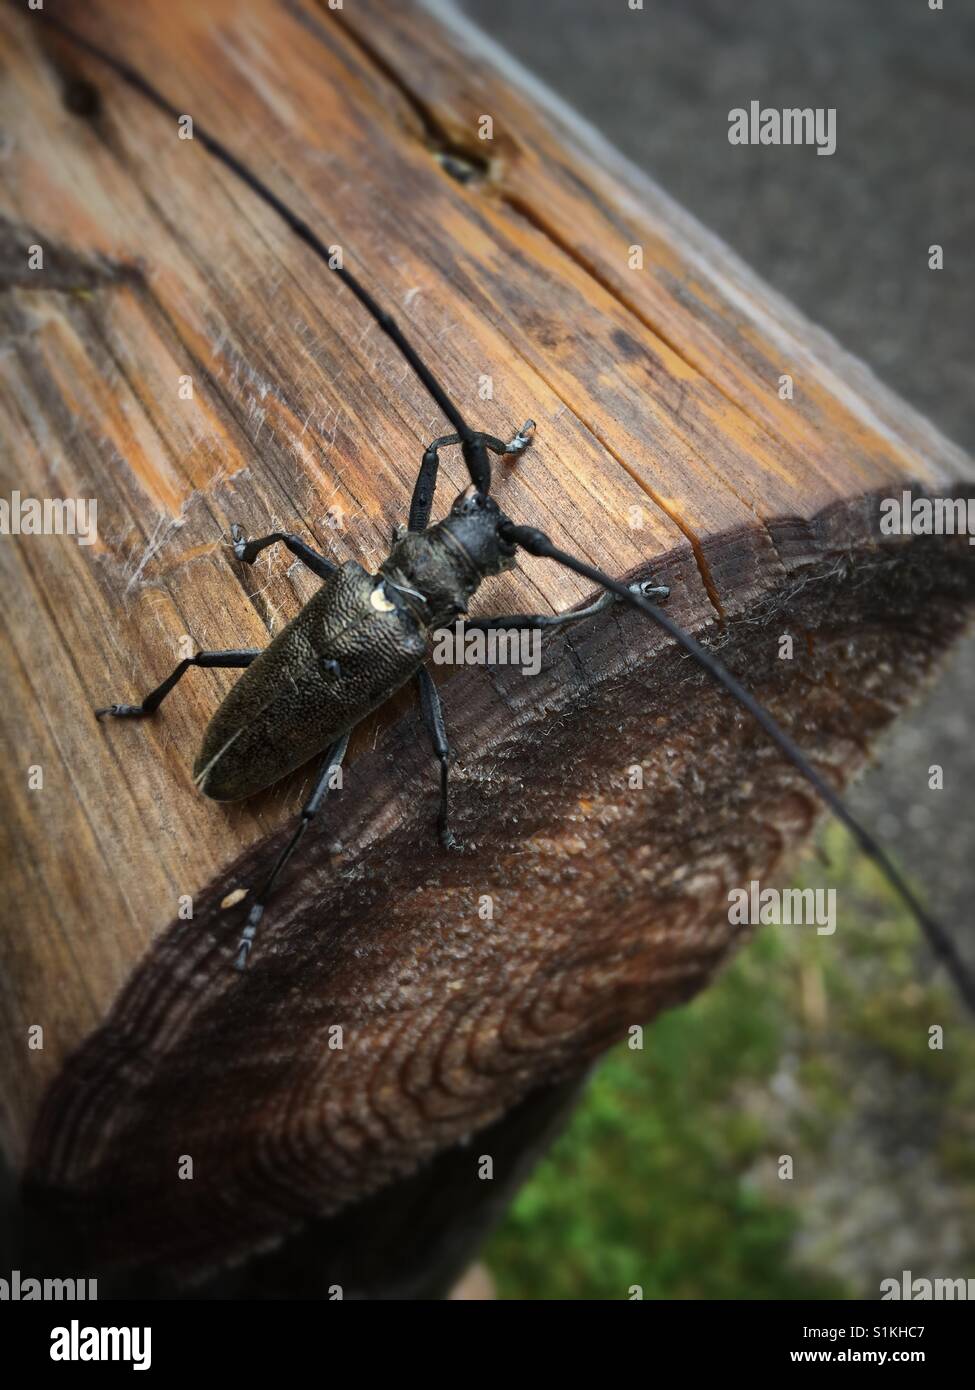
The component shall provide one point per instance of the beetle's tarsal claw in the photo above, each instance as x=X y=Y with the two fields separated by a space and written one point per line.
x=238 y=537
x=121 y=712
x=656 y=593
x=248 y=935
x=522 y=439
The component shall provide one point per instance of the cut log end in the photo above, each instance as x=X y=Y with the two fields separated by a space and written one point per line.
x=404 y=998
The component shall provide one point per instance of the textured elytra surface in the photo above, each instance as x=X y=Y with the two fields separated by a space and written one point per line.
x=293 y=701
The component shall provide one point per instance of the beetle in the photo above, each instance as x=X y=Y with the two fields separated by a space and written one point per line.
x=354 y=643
x=361 y=636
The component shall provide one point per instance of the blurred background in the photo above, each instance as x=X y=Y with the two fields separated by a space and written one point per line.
x=667 y=1176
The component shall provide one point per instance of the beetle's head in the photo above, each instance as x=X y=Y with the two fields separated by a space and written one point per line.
x=473 y=523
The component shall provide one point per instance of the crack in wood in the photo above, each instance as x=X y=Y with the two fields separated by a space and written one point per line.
x=440 y=139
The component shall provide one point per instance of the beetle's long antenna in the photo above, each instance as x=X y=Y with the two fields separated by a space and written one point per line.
x=475 y=455
x=537 y=543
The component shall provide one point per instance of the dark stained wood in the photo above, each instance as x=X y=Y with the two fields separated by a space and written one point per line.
x=656 y=396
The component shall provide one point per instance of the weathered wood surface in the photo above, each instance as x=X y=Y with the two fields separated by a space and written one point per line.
x=656 y=396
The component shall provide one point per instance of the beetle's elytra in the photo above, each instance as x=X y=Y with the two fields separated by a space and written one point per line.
x=335 y=662
x=357 y=641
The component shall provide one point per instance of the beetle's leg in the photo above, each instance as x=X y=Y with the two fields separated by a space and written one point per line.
x=426 y=481
x=432 y=708
x=155 y=698
x=513 y=620
x=425 y=486
x=333 y=761
x=517 y=444
x=655 y=592
x=248 y=551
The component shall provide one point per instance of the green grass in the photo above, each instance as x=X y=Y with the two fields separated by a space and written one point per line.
x=667 y=1174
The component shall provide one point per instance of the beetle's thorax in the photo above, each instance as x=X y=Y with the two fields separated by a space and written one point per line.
x=437 y=571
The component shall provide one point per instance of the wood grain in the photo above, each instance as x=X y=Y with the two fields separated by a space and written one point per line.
x=663 y=447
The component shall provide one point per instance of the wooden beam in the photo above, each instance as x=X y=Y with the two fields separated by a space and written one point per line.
x=462 y=983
